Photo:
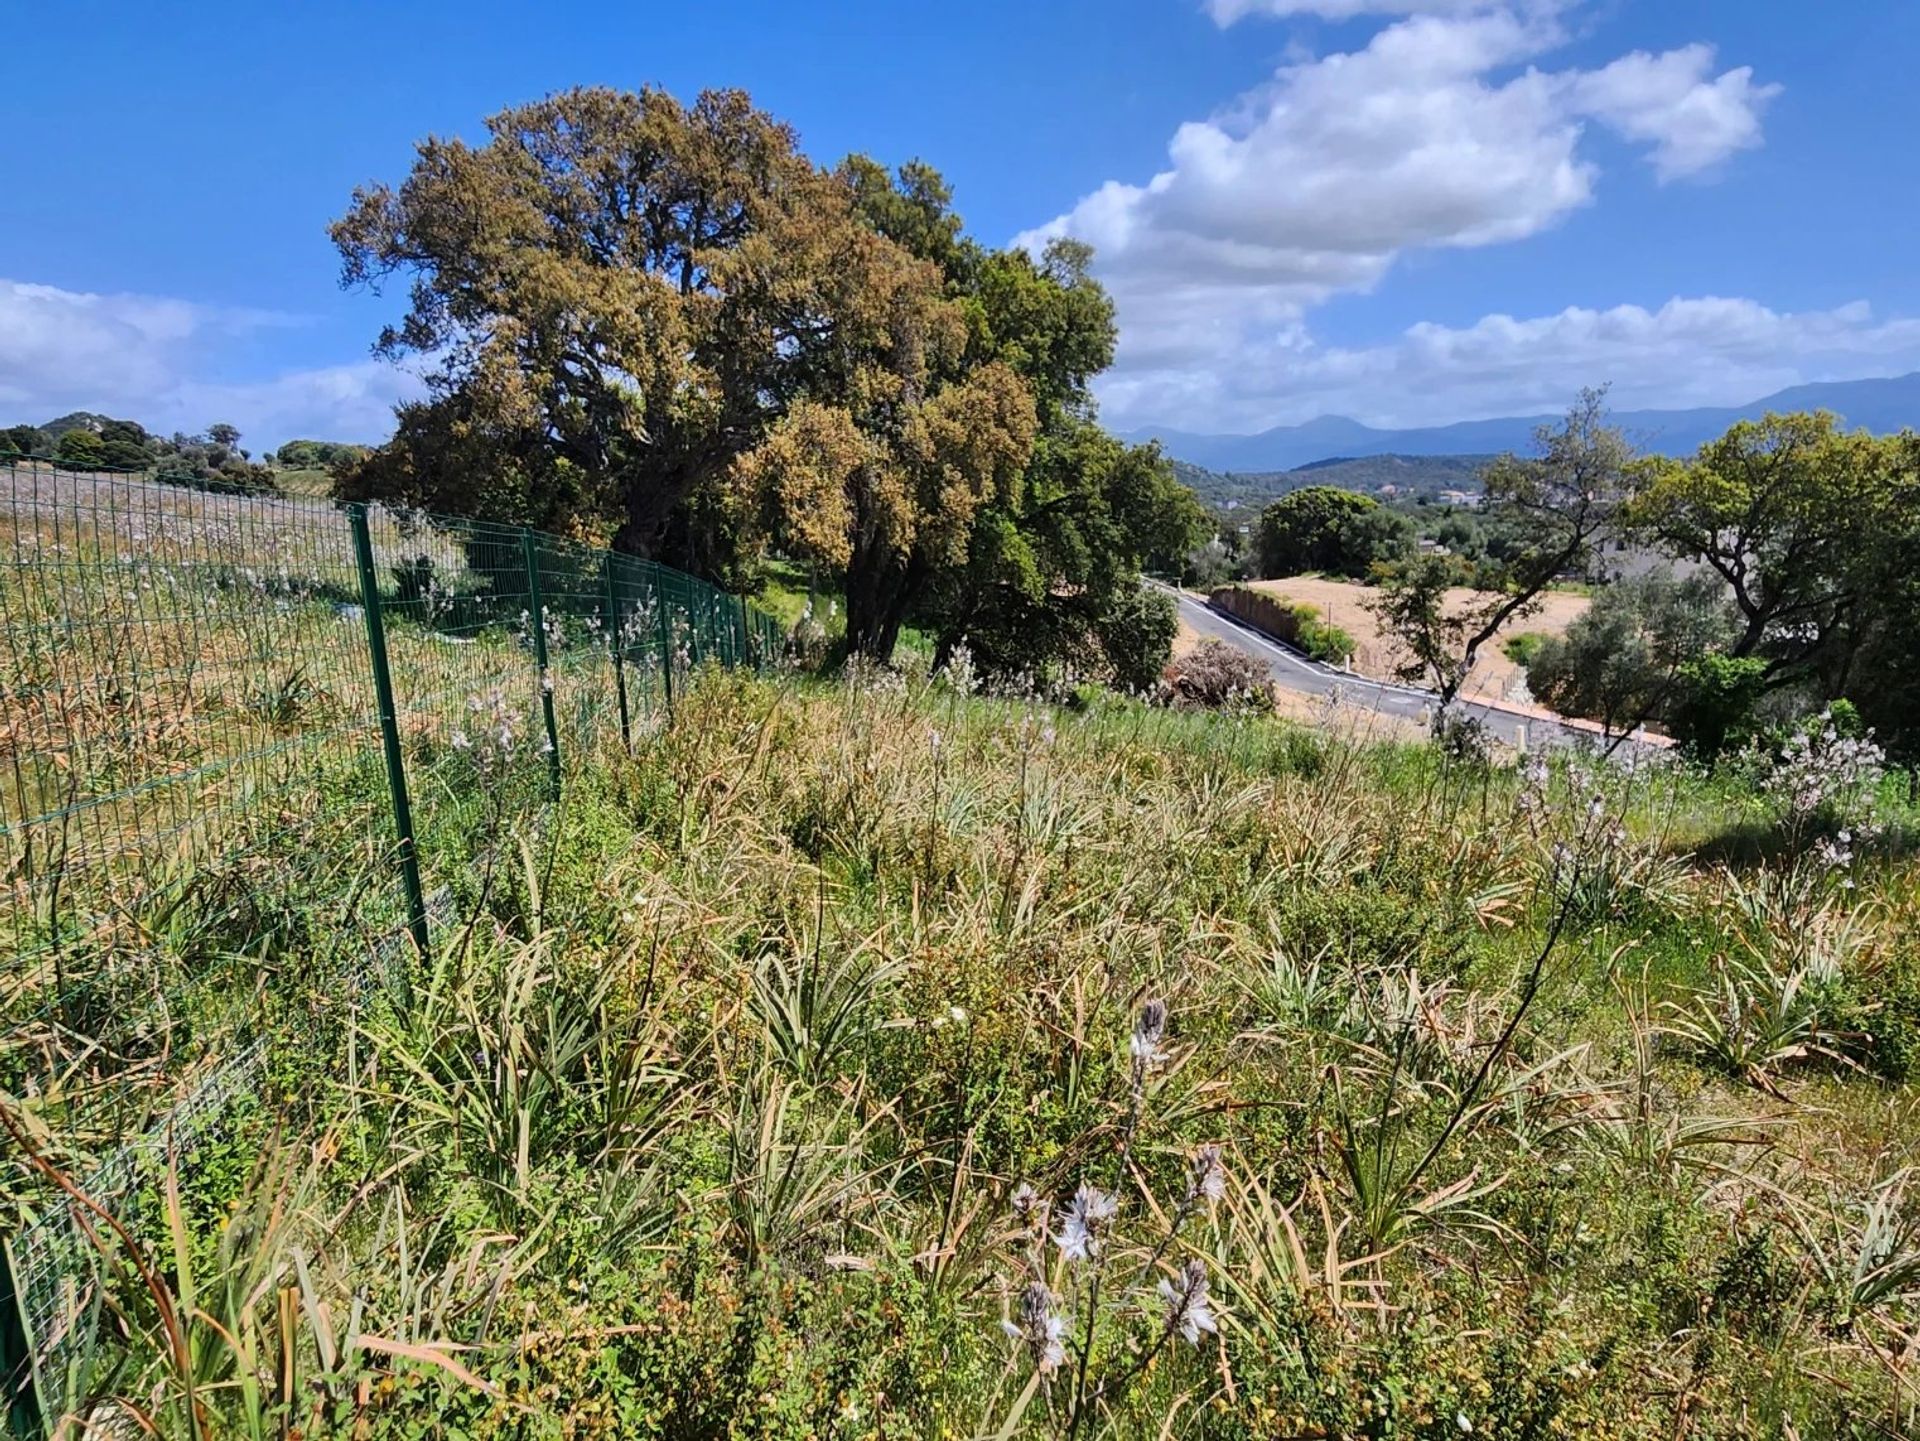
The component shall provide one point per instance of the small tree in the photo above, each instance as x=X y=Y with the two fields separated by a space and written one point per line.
x=223 y=435
x=1621 y=663
x=81 y=450
x=1555 y=505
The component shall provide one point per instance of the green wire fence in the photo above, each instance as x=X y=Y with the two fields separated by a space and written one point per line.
x=220 y=711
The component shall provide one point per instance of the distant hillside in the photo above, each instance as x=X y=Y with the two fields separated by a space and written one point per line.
x=1878 y=405
x=1418 y=474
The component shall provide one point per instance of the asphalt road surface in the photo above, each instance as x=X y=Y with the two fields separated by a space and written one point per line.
x=1292 y=670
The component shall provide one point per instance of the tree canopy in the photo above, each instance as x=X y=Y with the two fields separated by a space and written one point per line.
x=82 y=449
x=663 y=327
x=1051 y=574
x=1796 y=516
x=1622 y=662
x=1326 y=528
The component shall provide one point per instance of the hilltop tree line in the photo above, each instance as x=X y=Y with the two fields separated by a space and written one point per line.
x=662 y=327
x=86 y=441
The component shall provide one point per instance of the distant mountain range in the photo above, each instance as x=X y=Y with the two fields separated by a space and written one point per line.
x=1879 y=405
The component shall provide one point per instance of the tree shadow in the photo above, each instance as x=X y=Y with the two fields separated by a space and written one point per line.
x=1753 y=844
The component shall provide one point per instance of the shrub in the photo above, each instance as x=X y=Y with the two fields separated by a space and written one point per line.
x=1137 y=634
x=1218 y=676
x=1323 y=642
x=1716 y=704
x=1524 y=648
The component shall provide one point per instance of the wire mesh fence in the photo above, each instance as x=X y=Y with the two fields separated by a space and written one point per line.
x=224 y=717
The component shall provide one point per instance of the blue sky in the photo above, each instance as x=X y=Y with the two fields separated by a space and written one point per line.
x=1407 y=211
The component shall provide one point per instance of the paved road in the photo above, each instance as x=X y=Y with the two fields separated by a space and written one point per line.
x=1294 y=671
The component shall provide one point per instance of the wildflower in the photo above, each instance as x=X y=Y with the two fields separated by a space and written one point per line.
x=1837 y=853
x=1820 y=772
x=1533 y=784
x=1026 y=1200
x=1041 y=1327
x=1149 y=1031
x=1087 y=1215
x=1206 y=1175
x=933 y=741
x=1189 y=1308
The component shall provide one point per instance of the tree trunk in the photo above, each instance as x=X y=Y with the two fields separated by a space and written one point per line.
x=879 y=591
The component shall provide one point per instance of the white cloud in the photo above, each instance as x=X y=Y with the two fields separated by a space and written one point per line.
x=1704 y=350
x=149 y=358
x=1668 y=101
x=1439 y=132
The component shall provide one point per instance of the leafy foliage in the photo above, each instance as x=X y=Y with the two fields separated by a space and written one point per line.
x=1328 y=529
x=1717 y=695
x=1625 y=660
x=1795 y=516
x=662 y=325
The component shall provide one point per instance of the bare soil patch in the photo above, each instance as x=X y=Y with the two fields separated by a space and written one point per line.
x=1344 y=603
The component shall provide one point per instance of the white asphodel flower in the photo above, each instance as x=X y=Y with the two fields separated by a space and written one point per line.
x=1207 y=1175
x=1084 y=1220
x=1189 y=1308
x=1041 y=1327
x=1149 y=1031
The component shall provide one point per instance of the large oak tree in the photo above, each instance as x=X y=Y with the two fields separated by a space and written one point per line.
x=664 y=327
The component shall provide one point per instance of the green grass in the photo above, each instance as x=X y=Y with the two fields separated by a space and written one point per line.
x=1523 y=649
x=711 y=1114
x=787 y=587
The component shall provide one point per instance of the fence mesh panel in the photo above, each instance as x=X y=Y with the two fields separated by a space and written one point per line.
x=191 y=769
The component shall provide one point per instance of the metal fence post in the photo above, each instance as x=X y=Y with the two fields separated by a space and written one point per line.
x=539 y=609
x=617 y=641
x=389 y=726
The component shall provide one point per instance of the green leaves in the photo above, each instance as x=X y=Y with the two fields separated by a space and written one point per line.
x=1324 y=528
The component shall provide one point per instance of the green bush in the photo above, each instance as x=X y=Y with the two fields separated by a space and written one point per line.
x=1718 y=697
x=1524 y=648
x=1137 y=634
x=1324 y=642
